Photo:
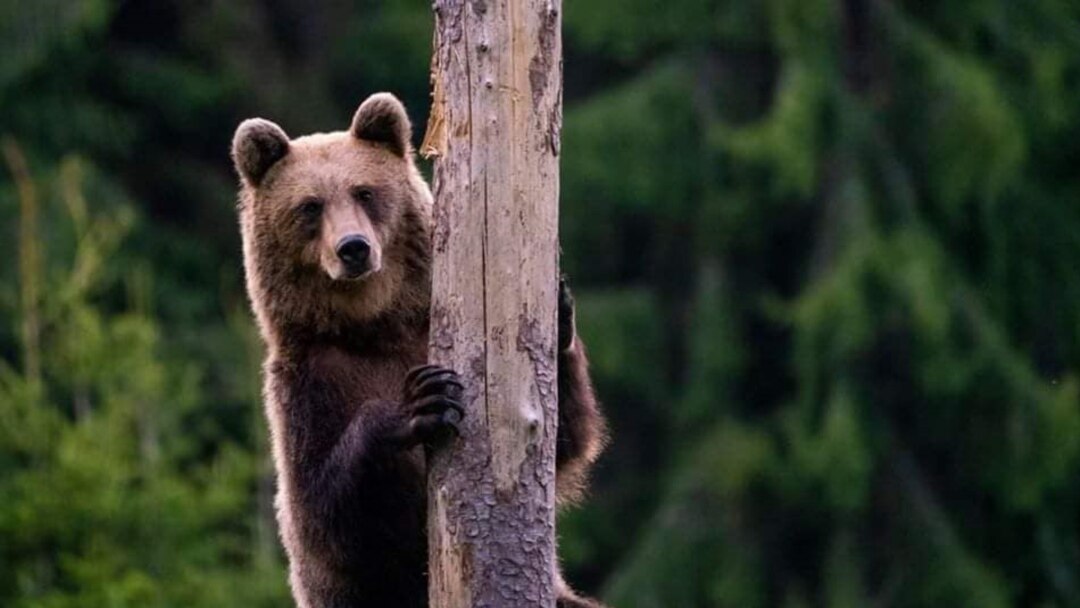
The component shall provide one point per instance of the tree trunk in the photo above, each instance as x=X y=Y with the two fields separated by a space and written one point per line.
x=29 y=259
x=494 y=131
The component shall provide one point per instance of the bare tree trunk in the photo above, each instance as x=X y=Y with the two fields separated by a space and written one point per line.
x=494 y=130
x=29 y=259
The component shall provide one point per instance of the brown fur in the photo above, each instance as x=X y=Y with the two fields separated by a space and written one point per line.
x=351 y=496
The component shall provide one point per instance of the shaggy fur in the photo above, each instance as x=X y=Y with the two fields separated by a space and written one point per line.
x=347 y=424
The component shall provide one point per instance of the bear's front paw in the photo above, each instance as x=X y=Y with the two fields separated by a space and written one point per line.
x=566 y=316
x=433 y=403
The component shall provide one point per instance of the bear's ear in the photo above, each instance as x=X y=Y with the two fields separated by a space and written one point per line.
x=257 y=145
x=382 y=119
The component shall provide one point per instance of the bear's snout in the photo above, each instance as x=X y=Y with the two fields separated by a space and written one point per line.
x=354 y=251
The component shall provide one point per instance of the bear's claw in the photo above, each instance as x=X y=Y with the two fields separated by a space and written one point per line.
x=431 y=380
x=433 y=399
x=566 y=315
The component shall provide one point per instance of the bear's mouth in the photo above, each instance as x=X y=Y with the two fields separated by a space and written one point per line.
x=356 y=277
x=347 y=275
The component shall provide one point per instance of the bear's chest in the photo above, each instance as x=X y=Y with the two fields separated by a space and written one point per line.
x=364 y=375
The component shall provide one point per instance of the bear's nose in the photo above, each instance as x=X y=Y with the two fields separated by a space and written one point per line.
x=354 y=251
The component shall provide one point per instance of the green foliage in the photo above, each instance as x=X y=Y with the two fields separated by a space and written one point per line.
x=787 y=140
x=824 y=255
x=858 y=300
x=103 y=504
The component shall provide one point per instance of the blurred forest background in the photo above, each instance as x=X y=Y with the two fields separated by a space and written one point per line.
x=826 y=253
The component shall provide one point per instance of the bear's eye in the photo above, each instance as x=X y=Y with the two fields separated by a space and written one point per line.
x=362 y=194
x=311 y=208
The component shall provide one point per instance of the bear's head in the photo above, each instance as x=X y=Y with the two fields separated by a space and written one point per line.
x=335 y=226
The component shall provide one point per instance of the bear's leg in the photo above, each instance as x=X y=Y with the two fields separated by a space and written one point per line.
x=582 y=431
x=373 y=450
x=576 y=602
x=568 y=599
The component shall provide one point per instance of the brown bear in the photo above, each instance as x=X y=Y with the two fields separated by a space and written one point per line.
x=336 y=234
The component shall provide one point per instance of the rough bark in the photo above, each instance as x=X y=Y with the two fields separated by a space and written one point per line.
x=494 y=132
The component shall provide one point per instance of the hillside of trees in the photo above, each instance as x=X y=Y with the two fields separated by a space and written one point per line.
x=826 y=255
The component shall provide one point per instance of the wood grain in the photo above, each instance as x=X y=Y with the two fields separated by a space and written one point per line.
x=497 y=116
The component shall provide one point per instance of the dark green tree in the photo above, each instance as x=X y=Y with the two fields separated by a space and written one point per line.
x=824 y=253
x=856 y=221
